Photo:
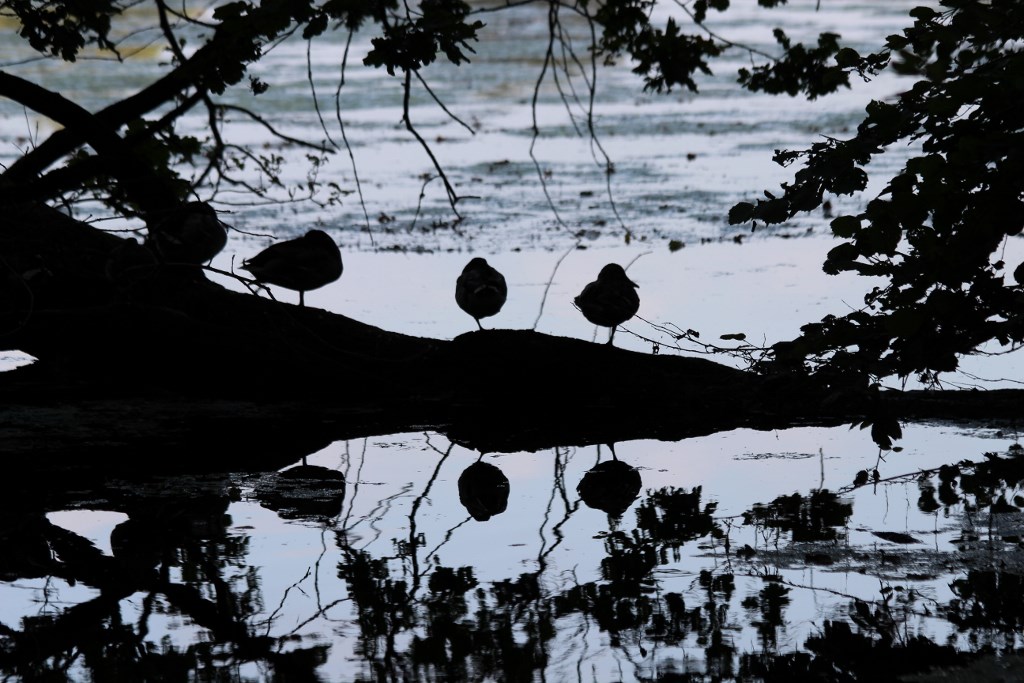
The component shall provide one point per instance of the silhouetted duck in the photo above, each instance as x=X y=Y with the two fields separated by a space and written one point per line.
x=301 y=264
x=610 y=300
x=610 y=486
x=480 y=290
x=483 y=491
x=191 y=233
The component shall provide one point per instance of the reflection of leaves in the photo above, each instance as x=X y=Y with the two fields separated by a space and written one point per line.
x=614 y=612
x=446 y=583
x=630 y=560
x=666 y=519
x=382 y=603
x=498 y=647
x=991 y=483
x=717 y=583
x=853 y=656
x=503 y=638
x=988 y=599
x=770 y=603
x=446 y=608
x=669 y=624
x=672 y=516
x=812 y=518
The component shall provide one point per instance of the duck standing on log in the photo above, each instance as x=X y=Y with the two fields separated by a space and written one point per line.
x=480 y=290
x=189 y=234
x=300 y=264
x=610 y=300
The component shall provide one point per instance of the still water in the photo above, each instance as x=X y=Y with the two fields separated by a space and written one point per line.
x=742 y=554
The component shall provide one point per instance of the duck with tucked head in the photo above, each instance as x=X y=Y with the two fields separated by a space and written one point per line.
x=480 y=290
x=189 y=234
x=300 y=264
x=610 y=300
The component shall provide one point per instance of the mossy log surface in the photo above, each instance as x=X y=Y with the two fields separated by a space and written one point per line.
x=155 y=368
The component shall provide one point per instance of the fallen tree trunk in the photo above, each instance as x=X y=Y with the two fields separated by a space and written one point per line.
x=164 y=370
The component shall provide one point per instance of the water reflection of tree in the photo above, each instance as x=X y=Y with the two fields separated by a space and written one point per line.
x=174 y=553
x=443 y=636
x=418 y=619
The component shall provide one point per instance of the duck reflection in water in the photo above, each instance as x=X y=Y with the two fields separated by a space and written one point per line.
x=610 y=300
x=480 y=290
x=300 y=264
x=610 y=486
x=302 y=492
x=483 y=490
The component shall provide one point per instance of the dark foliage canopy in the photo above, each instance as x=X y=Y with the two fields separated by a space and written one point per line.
x=937 y=230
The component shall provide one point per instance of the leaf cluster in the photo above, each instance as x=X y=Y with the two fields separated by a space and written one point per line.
x=413 y=43
x=664 y=57
x=669 y=57
x=64 y=29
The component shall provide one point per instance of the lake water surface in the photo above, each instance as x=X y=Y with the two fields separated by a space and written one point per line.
x=743 y=554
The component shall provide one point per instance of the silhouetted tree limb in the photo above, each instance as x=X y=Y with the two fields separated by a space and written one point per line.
x=200 y=376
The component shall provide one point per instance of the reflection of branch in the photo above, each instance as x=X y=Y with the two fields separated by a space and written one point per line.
x=355 y=486
x=380 y=511
x=320 y=613
x=877 y=603
x=447 y=537
x=557 y=491
x=414 y=543
x=284 y=598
